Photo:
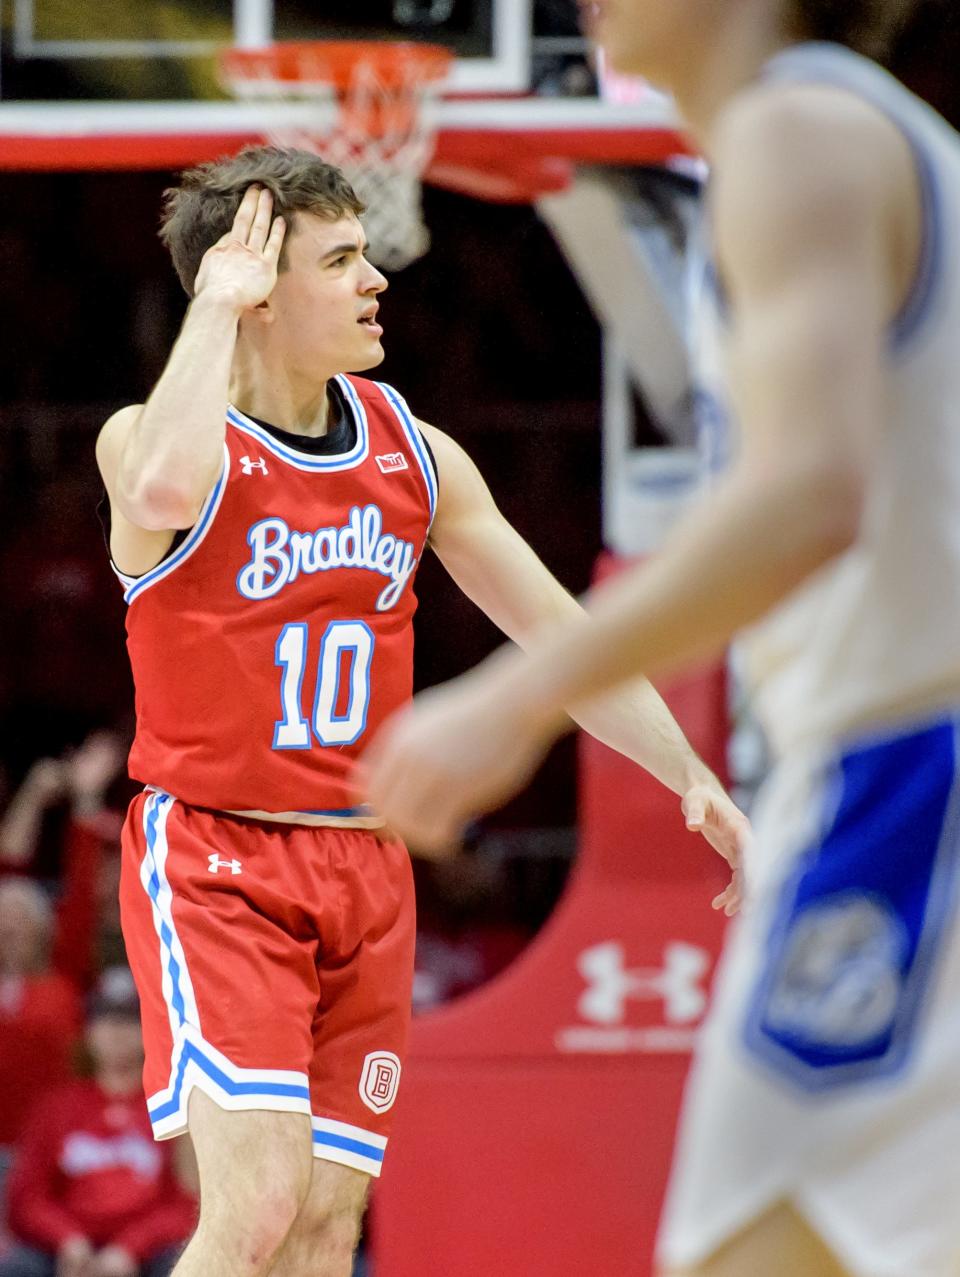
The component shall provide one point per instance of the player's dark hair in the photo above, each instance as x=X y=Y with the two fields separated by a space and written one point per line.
x=871 y=27
x=201 y=209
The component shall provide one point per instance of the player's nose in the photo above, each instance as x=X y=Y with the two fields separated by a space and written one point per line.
x=374 y=281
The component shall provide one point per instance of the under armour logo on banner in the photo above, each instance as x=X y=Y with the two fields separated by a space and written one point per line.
x=249 y=466
x=215 y=863
x=678 y=982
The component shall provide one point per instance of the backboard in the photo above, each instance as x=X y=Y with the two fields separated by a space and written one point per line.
x=162 y=49
x=133 y=84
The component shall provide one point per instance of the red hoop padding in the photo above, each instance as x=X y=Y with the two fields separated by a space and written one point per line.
x=334 y=63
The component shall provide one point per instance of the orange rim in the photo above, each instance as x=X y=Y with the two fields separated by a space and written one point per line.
x=334 y=62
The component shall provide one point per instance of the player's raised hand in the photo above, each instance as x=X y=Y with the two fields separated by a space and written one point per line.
x=242 y=265
x=444 y=759
x=711 y=812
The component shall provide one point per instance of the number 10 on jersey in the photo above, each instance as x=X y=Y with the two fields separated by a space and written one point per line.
x=352 y=639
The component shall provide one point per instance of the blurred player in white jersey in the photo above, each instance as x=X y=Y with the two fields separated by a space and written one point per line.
x=822 y=1124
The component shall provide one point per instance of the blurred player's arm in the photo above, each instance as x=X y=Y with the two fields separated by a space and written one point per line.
x=501 y=574
x=160 y=460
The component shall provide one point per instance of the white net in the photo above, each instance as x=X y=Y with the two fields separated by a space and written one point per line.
x=380 y=130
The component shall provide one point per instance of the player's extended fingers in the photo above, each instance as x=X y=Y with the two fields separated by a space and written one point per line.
x=274 y=242
x=694 y=808
x=728 y=900
x=243 y=219
x=260 y=226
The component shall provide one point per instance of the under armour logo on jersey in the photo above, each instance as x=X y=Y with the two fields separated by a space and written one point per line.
x=391 y=462
x=677 y=982
x=215 y=863
x=249 y=466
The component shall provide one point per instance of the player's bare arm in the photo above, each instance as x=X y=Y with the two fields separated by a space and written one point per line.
x=497 y=569
x=160 y=460
x=814 y=256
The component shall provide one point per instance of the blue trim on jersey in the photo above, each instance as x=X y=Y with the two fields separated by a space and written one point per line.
x=852 y=951
x=920 y=301
x=350 y=1146
x=226 y=1083
x=305 y=460
x=413 y=434
x=344 y=812
x=197 y=533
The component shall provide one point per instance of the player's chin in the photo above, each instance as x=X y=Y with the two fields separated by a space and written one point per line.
x=371 y=357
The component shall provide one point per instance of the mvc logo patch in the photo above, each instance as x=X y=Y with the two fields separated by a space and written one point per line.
x=392 y=462
x=379 y=1080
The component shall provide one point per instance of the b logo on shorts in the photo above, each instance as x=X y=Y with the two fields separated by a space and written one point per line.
x=379 y=1080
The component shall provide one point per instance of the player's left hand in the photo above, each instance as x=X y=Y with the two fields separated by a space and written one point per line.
x=455 y=752
x=708 y=810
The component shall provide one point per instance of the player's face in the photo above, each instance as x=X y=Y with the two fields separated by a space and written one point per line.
x=325 y=300
x=648 y=37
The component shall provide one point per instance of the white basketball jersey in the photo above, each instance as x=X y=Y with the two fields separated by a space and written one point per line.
x=874 y=636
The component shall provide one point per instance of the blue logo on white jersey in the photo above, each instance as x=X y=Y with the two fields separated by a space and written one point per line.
x=279 y=555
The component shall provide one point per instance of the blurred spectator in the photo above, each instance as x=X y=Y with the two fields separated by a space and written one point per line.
x=69 y=796
x=91 y=1194
x=40 y=1009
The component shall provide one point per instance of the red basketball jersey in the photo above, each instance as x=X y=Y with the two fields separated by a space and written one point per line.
x=270 y=645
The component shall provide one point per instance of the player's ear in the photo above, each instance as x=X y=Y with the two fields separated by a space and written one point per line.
x=264 y=312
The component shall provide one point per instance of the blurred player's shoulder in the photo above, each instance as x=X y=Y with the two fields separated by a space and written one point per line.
x=777 y=135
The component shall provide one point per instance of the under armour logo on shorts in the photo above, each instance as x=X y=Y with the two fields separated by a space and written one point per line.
x=379 y=1080
x=215 y=864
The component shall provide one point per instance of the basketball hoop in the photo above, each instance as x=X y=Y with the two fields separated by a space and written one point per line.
x=375 y=120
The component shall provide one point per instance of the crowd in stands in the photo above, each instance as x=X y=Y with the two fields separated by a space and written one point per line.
x=87 y=1192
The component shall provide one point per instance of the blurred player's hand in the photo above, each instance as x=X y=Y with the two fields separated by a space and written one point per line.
x=74 y=1258
x=451 y=755
x=711 y=812
x=114 y=1261
x=241 y=267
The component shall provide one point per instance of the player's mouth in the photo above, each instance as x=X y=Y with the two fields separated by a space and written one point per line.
x=368 y=320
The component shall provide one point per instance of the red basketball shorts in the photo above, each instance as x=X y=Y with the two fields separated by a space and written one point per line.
x=274 y=965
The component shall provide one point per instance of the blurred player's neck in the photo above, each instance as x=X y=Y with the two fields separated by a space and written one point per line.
x=715 y=67
x=277 y=394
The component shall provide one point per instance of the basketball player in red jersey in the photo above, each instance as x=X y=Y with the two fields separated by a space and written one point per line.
x=267 y=517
